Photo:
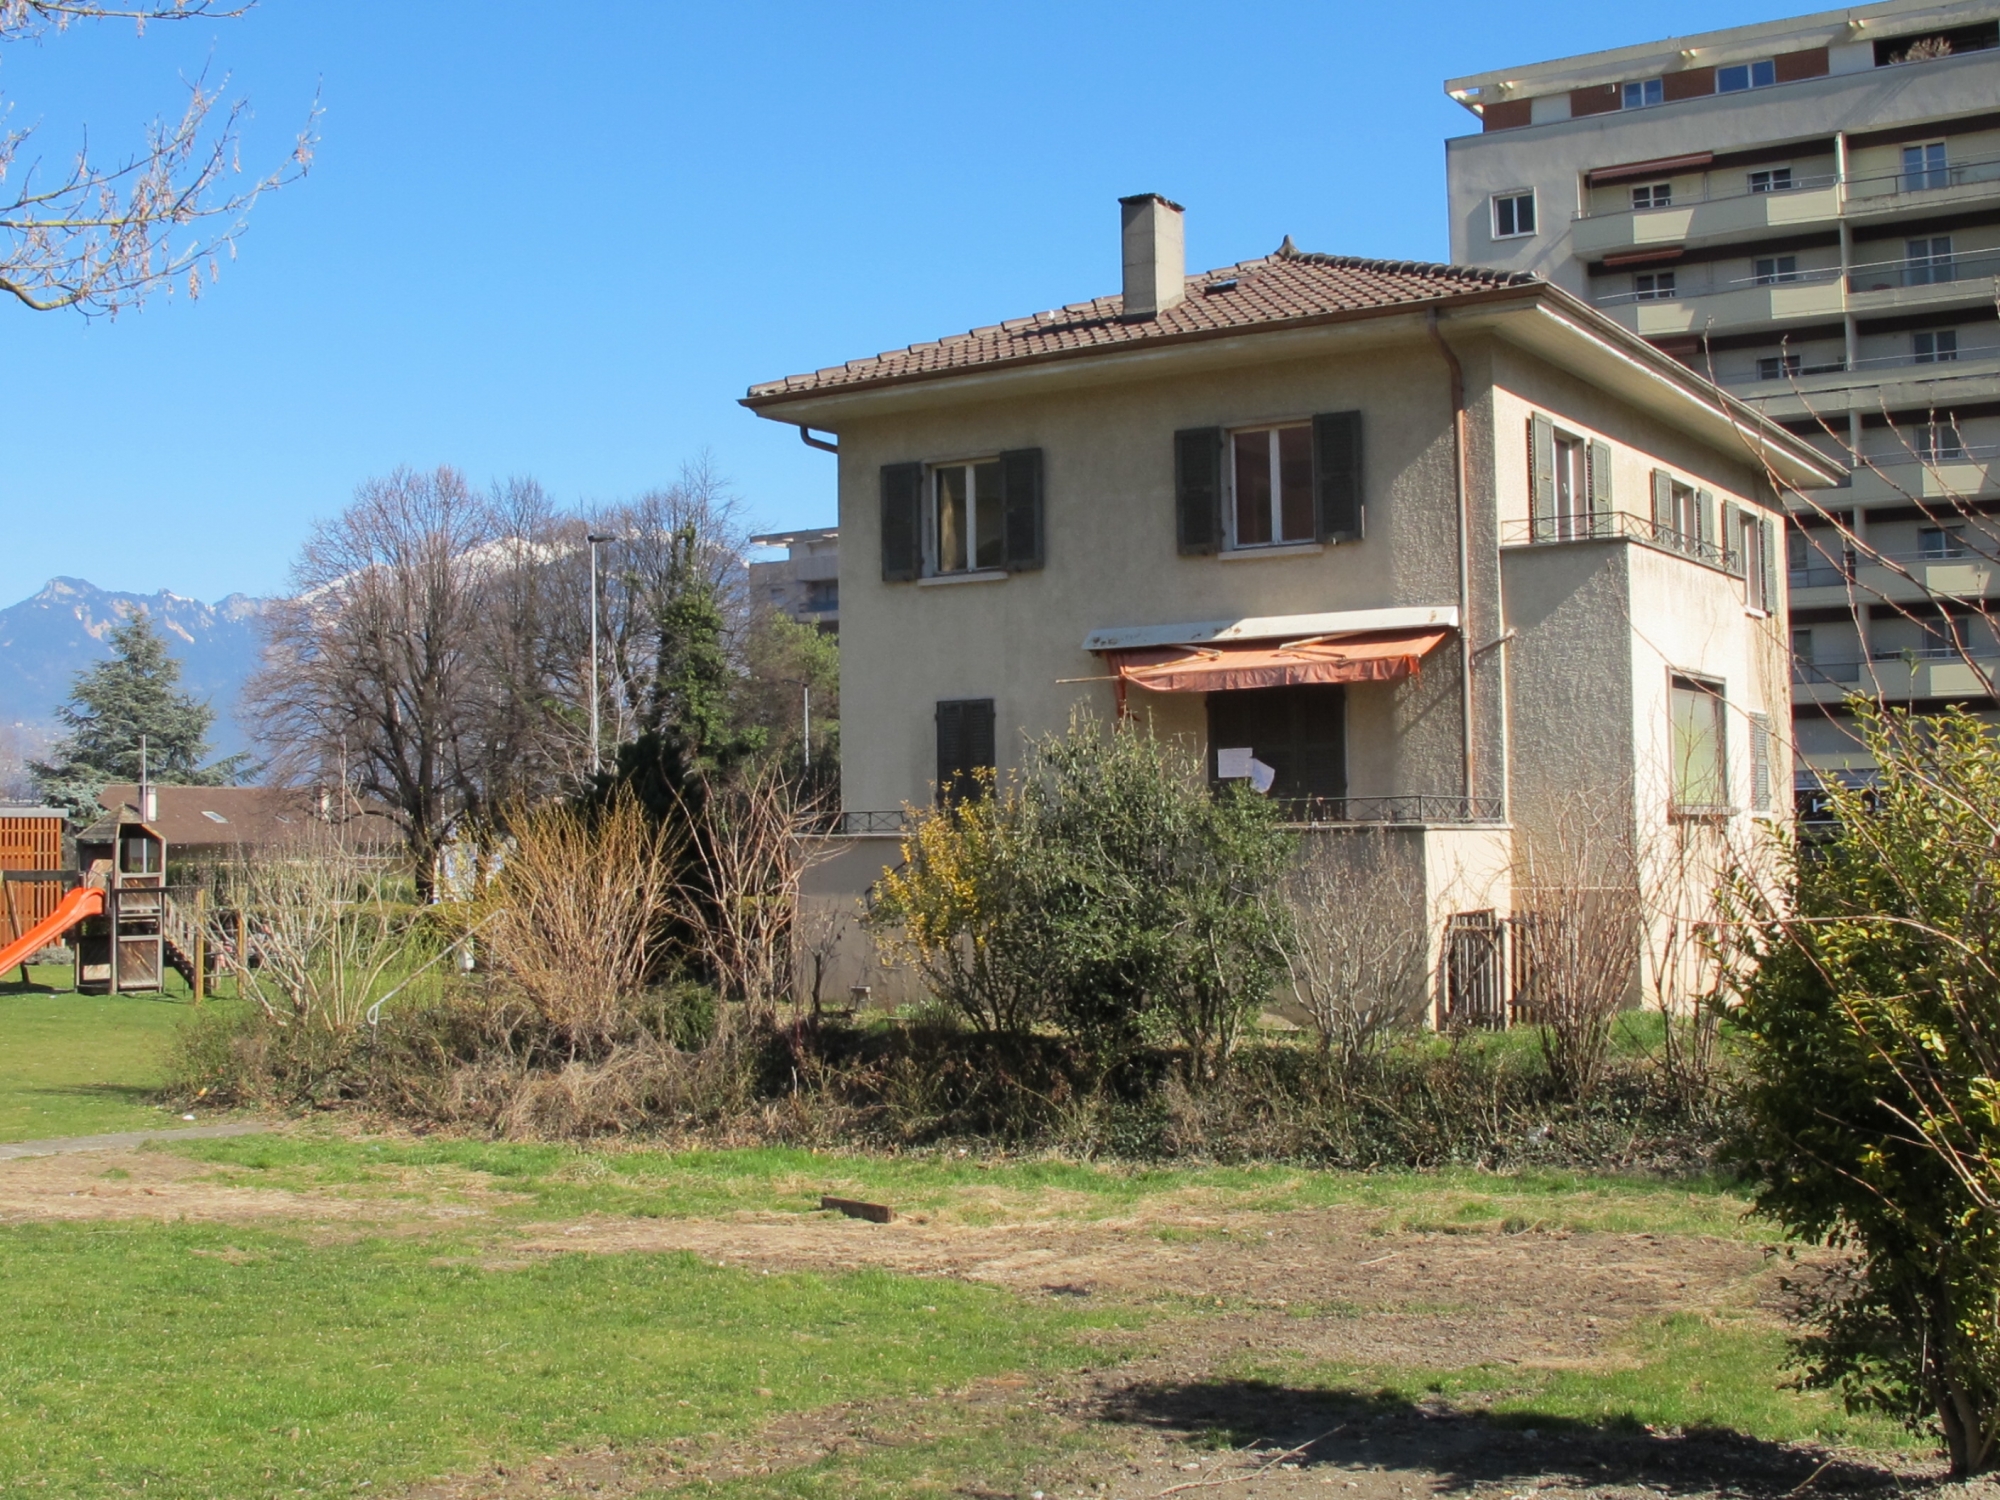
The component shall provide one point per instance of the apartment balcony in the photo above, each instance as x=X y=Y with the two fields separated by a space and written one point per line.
x=1702 y=302
x=1973 y=471
x=1924 y=190
x=1920 y=284
x=1971 y=373
x=1707 y=220
x=1897 y=677
x=1896 y=577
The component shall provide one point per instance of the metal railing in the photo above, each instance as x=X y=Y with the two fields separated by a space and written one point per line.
x=1417 y=808
x=1810 y=182
x=1825 y=673
x=843 y=823
x=1614 y=526
x=1871 y=276
x=1875 y=186
x=1967 y=353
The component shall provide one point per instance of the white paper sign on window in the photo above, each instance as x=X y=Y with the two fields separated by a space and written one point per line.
x=1234 y=765
x=1261 y=775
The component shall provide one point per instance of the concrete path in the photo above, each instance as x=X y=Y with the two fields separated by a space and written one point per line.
x=59 y=1147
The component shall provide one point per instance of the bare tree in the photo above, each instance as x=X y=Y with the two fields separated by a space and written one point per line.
x=1359 y=955
x=100 y=237
x=374 y=661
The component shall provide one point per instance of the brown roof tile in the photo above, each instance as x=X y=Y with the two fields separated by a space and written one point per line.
x=1284 y=287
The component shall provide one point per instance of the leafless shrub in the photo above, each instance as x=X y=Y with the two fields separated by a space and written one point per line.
x=739 y=895
x=575 y=916
x=1577 y=927
x=327 y=938
x=1358 y=956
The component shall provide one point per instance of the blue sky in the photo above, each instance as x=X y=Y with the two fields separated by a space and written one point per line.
x=561 y=239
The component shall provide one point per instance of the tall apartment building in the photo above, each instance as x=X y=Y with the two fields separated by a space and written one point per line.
x=1808 y=211
x=805 y=582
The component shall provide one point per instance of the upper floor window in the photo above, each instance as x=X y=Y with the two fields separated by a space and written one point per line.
x=1924 y=167
x=1941 y=442
x=1740 y=76
x=1934 y=347
x=822 y=595
x=1646 y=91
x=1769 y=270
x=1771 y=180
x=1653 y=286
x=1928 y=261
x=1271 y=486
x=1700 y=767
x=1513 y=214
x=967 y=516
x=1777 y=366
x=1653 y=195
x=1941 y=541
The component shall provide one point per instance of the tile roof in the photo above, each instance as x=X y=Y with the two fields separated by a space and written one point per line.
x=1285 y=287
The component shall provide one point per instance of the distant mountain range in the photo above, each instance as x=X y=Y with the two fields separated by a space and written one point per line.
x=47 y=639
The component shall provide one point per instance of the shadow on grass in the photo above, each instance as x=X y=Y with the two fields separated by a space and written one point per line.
x=115 y=1093
x=1349 y=1429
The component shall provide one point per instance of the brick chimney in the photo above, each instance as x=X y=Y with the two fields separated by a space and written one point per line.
x=1155 y=255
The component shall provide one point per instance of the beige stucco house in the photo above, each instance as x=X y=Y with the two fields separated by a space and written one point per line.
x=1424 y=550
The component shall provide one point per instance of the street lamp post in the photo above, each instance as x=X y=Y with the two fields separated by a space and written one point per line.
x=595 y=541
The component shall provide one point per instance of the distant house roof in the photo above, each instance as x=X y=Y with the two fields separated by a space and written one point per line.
x=1285 y=287
x=222 y=818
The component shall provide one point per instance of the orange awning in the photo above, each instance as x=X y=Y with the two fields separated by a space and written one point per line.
x=1385 y=656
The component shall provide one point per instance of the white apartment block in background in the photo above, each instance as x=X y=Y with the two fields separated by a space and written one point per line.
x=805 y=582
x=1808 y=210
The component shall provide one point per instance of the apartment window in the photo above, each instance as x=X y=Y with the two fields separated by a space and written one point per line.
x=1927 y=261
x=1298 y=735
x=1653 y=195
x=1653 y=286
x=1513 y=214
x=1941 y=542
x=1737 y=77
x=967 y=516
x=1777 y=366
x=1271 y=486
x=1924 y=167
x=1942 y=443
x=1934 y=348
x=1646 y=92
x=1700 y=767
x=1684 y=517
x=965 y=746
x=1771 y=180
x=822 y=595
x=1572 y=486
x=1770 y=270
x=1802 y=646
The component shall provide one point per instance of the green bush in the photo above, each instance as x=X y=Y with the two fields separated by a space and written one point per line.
x=1871 y=1010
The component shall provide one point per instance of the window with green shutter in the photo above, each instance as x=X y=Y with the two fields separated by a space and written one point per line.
x=902 y=521
x=965 y=749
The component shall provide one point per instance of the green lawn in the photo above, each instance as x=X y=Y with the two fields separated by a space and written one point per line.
x=80 y=1064
x=201 y=1361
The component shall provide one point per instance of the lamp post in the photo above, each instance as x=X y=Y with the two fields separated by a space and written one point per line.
x=595 y=541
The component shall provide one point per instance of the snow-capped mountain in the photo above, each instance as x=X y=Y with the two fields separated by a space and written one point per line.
x=46 y=639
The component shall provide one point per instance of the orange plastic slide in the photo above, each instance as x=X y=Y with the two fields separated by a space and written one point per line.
x=82 y=902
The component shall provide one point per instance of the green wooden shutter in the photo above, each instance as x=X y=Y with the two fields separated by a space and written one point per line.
x=1760 y=762
x=1542 y=474
x=1337 y=475
x=1021 y=509
x=1601 y=504
x=1198 y=489
x=1767 y=561
x=1704 y=517
x=902 y=521
x=1733 y=541
x=965 y=745
x=1663 y=504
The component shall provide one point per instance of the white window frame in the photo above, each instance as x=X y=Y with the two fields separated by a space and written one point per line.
x=1572 y=517
x=1278 y=539
x=1515 y=195
x=1700 y=683
x=974 y=502
x=1658 y=195
x=1926 y=178
x=1772 y=182
x=1754 y=540
x=1749 y=72
x=1651 y=92
x=1647 y=286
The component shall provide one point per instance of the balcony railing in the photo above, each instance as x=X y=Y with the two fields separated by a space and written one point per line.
x=1803 y=368
x=848 y=824
x=1808 y=183
x=1613 y=526
x=1868 y=191
x=1415 y=808
x=1871 y=276
x=1818 y=673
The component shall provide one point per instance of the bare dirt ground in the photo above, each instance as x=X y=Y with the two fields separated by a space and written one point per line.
x=1168 y=1414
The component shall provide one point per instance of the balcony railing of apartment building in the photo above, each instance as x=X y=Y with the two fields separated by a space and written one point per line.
x=1868 y=191
x=1837 y=672
x=1785 y=366
x=1931 y=269
x=1613 y=526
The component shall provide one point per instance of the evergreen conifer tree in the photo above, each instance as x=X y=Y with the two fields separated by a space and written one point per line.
x=115 y=704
